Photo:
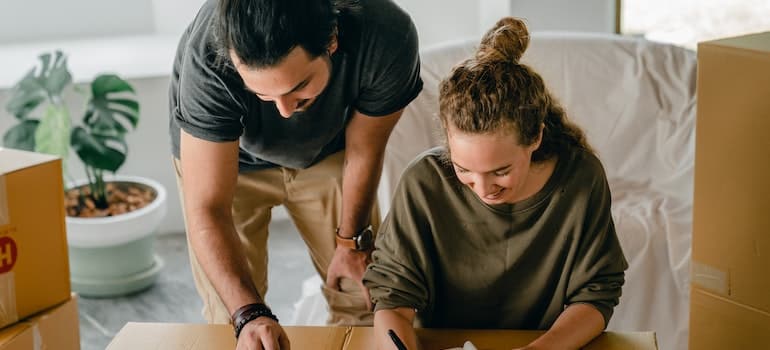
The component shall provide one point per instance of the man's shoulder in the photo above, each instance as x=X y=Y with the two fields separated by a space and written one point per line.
x=196 y=43
x=381 y=22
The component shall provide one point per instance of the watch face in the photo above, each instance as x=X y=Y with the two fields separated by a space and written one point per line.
x=365 y=240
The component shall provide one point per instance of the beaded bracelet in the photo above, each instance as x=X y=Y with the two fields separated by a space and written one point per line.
x=248 y=313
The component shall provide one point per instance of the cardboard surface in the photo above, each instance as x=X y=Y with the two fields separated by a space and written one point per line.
x=55 y=328
x=17 y=337
x=436 y=339
x=34 y=270
x=731 y=227
x=719 y=323
x=169 y=336
x=174 y=336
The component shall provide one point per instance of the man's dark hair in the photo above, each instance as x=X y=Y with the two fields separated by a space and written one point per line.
x=262 y=32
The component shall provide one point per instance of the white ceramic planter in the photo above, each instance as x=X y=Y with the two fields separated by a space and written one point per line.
x=114 y=255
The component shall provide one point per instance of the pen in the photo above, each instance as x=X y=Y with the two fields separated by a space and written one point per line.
x=396 y=340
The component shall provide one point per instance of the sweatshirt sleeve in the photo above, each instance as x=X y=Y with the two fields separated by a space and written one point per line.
x=598 y=273
x=397 y=276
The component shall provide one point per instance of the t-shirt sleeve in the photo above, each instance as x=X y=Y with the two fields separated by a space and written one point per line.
x=208 y=105
x=396 y=277
x=598 y=273
x=392 y=77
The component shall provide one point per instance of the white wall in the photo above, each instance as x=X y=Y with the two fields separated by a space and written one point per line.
x=149 y=156
x=441 y=20
x=45 y=20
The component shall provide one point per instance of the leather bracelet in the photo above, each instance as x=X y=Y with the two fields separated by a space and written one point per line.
x=248 y=313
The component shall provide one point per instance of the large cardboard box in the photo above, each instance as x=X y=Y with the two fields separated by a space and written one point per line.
x=34 y=271
x=170 y=336
x=363 y=338
x=55 y=328
x=731 y=225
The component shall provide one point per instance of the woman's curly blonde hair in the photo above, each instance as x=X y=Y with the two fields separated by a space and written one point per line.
x=493 y=92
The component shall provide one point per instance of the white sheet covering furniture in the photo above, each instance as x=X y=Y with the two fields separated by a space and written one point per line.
x=636 y=101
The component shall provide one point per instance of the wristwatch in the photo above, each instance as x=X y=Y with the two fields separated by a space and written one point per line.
x=362 y=241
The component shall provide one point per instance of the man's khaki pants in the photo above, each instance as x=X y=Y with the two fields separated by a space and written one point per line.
x=313 y=199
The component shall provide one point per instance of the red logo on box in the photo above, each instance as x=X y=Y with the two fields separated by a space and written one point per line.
x=8 y=254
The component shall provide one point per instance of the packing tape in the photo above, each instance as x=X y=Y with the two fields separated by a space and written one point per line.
x=8 y=312
x=710 y=278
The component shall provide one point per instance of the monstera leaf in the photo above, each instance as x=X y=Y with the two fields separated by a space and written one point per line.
x=53 y=133
x=105 y=152
x=21 y=136
x=39 y=85
x=109 y=115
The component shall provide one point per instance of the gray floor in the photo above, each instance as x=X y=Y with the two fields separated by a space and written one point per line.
x=173 y=298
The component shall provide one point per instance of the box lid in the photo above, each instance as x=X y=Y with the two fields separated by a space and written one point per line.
x=175 y=336
x=363 y=338
x=169 y=336
x=16 y=337
x=12 y=159
x=754 y=42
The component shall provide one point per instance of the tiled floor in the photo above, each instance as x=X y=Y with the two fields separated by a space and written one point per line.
x=173 y=298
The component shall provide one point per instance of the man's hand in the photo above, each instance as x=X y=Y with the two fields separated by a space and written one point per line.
x=263 y=333
x=351 y=264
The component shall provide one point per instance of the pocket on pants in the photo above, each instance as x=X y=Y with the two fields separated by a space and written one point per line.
x=347 y=307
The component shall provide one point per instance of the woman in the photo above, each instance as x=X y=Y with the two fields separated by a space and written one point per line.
x=508 y=226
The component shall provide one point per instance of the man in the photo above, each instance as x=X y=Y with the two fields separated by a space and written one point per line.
x=290 y=103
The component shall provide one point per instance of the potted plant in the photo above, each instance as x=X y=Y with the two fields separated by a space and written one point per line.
x=111 y=219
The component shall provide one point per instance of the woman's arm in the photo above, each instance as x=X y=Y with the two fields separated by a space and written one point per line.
x=400 y=321
x=574 y=328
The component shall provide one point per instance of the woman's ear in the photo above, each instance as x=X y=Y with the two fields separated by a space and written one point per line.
x=333 y=43
x=536 y=144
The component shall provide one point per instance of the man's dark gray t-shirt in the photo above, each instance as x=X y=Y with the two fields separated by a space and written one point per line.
x=375 y=71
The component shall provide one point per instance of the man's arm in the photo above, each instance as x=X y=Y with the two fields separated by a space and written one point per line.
x=400 y=321
x=365 y=140
x=209 y=176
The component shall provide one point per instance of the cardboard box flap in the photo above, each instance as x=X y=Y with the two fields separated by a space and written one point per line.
x=720 y=323
x=170 y=336
x=56 y=328
x=15 y=334
x=12 y=159
x=754 y=42
x=435 y=339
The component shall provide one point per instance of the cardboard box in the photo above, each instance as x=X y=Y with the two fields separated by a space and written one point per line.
x=731 y=225
x=34 y=271
x=434 y=339
x=720 y=323
x=174 y=336
x=55 y=328
x=170 y=336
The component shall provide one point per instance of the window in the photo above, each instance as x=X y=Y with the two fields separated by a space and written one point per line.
x=687 y=22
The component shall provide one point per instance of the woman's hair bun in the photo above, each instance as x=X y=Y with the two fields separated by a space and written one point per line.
x=506 y=41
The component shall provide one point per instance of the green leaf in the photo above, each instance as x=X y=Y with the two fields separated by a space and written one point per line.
x=53 y=133
x=109 y=83
x=58 y=76
x=26 y=95
x=99 y=152
x=21 y=136
x=37 y=85
x=107 y=114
